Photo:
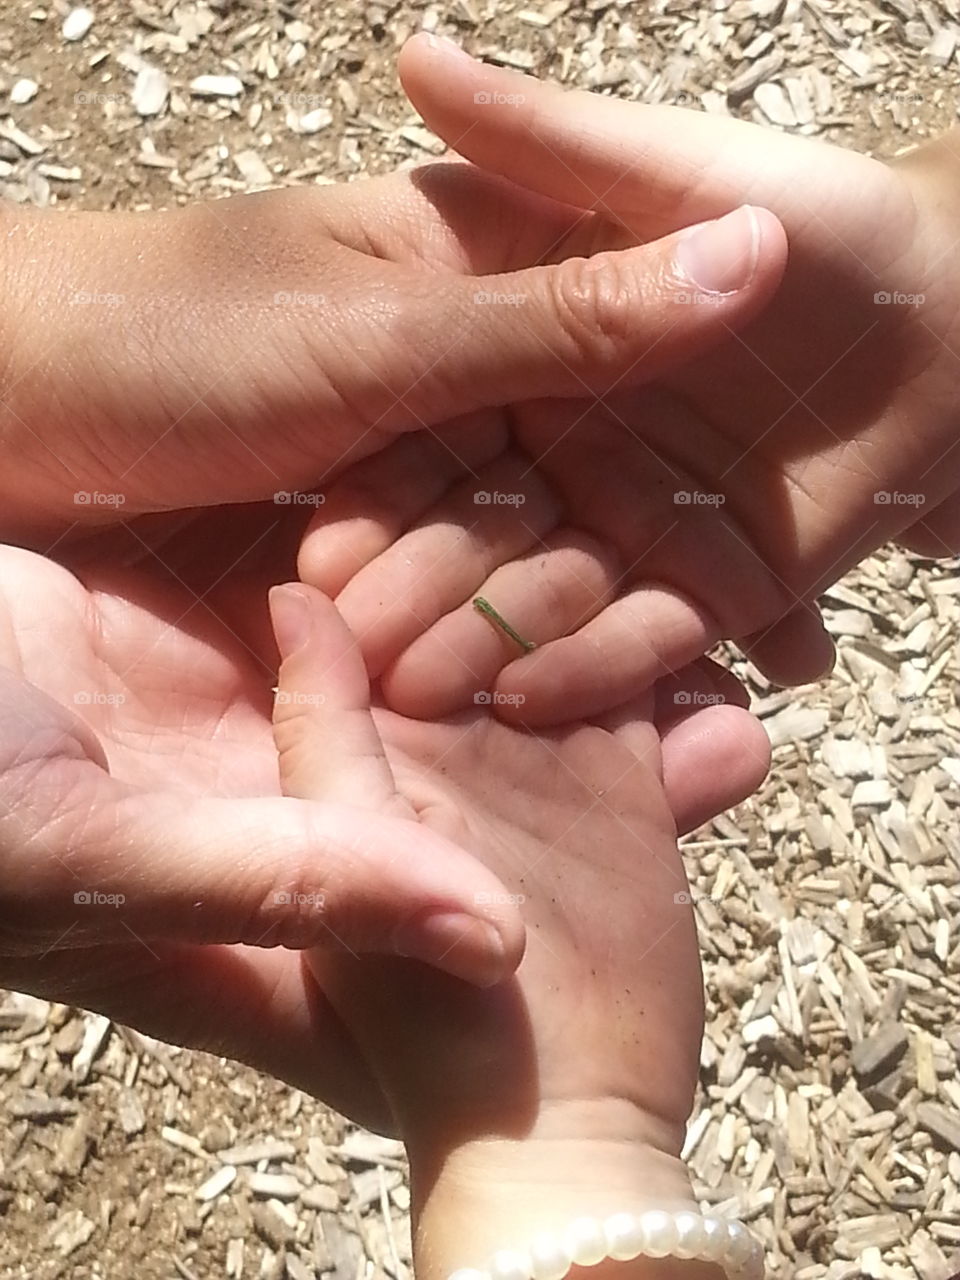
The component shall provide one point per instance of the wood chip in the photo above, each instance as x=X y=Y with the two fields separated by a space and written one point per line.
x=216 y=86
x=877 y=1054
x=76 y=24
x=942 y=1122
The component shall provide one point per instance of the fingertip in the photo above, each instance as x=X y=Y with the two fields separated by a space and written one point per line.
x=712 y=760
x=773 y=250
x=478 y=950
x=290 y=614
x=728 y=261
x=796 y=649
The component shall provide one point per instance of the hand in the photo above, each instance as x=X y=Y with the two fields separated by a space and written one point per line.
x=793 y=432
x=254 y=346
x=564 y=1090
x=151 y=869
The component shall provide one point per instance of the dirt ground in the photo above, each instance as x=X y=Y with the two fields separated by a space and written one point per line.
x=106 y=1136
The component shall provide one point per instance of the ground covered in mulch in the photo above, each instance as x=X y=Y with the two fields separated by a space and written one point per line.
x=829 y=905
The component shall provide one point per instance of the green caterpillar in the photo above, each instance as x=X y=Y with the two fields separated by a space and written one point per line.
x=488 y=611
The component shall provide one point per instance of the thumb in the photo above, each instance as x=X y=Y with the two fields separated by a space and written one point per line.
x=87 y=859
x=582 y=325
x=331 y=751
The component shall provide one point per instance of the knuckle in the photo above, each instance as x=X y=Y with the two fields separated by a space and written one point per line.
x=597 y=301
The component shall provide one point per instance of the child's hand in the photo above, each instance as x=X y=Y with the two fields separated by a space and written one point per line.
x=566 y=1090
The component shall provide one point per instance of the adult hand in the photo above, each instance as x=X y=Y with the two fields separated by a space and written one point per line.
x=225 y=352
x=802 y=443
x=138 y=770
x=150 y=867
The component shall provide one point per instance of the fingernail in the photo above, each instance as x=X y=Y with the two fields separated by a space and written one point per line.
x=457 y=943
x=721 y=256
x=444 y=42
x=290 y=613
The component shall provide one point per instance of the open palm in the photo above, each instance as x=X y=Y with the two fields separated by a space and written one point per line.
x=566 y=1089
x=606 y=1006
x=144 y=822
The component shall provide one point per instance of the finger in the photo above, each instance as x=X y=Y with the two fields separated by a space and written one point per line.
x=796 y=649
x=259 y=1007
x=329 y=746
x=555 y=589
x=713 y=758
x=366 y=510
x=85 y=858
x=709 y=753
x=441 y=562
x=636 y=640
x=331 y=750
x=579 y=325
x=657 y=168
x=703 y=683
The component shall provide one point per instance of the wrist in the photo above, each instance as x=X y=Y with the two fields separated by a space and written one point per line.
x=580 y=1158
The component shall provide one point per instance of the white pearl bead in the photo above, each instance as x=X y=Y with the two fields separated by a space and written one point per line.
x=691 y=1236
x=660 y=1232
x=469 y=1273
x=625 y=1237
x=714 y=1239
x=753 y=1267
x=510 y=1264
x=739 y=1244
x=585 y=1242
x=549 y=1258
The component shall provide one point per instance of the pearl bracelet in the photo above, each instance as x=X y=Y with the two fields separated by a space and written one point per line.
x=625 y=1236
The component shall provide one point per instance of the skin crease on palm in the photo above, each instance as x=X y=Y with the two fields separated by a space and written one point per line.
x=162 y=672
x=592 y=1049
x=798 y=422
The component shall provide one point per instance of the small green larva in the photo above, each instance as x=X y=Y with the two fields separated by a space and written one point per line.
x=488 y=611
